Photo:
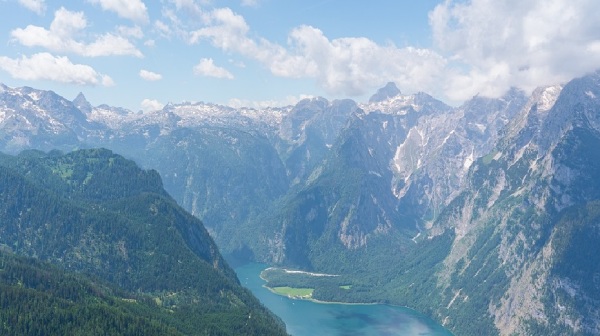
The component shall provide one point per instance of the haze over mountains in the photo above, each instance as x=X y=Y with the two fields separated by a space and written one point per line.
x=484 y=216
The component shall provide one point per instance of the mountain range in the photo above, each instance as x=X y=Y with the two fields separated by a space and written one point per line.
x=483 y=216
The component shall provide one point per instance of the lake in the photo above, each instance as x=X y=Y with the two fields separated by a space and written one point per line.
x=304 y=317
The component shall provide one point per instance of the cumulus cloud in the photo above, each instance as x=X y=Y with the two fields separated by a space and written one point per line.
x=44 y=66
x=207 y=67
x=494 y=45
x=129 y=9
x=36 y=6
x=349 y=66
x=149 y=75
x=225 y=29
x=480 y=47
x=108 y=44
x=60 y=37
x=352 y=65
x=149 y=105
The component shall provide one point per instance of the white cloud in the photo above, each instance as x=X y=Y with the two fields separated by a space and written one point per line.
x=107 y=81
x=352 y=65
x=349 y=66
x=108 y=44
x=36 y=6
x=150 y=43
x=149 y=105
x=149 y=75
x=207 y=67
x=250 y=3
x=129 y=9
x=67 y=23
x=225 y=29
x=190 y=6
x=135 y=31
x=179 y=18
x=60 y=37
x=162 y=28
x=236 y=63
x=480 y=47
x=44 y=66
x=498 y=44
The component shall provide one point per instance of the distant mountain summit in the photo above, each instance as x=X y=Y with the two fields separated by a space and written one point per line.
x=388 y=91
x=82 y=103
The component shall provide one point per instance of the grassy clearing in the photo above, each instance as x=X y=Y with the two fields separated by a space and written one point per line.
x=346 y=286
x=303 y=293
x=488 y=158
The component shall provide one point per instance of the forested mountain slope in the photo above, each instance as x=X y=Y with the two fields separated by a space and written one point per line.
x=96 y=213
x=40 y=299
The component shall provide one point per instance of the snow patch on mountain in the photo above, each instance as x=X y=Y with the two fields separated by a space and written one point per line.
x=397 y=105
x=35 y=95
x=590 y=94
x=548 y=97
x=469 y=160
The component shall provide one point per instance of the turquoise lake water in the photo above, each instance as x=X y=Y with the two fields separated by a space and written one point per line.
x=304 y=318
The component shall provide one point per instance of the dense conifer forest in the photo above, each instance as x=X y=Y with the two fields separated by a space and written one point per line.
x=91 y=244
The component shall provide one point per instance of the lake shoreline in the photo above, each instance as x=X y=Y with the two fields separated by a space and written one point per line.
x=306 y=316
x=328 y=302
x=321 y=301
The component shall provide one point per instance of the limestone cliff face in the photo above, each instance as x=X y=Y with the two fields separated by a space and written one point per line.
x=528 y=202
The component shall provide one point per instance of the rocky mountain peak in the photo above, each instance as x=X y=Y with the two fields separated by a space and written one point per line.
x=82 y=103
x=388 y=91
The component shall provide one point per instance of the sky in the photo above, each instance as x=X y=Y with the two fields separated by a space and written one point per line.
x=143 y=54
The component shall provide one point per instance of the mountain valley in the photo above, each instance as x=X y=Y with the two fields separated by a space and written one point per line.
x=484 y=216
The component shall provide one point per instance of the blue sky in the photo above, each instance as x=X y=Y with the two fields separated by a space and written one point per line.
x=143 y=54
